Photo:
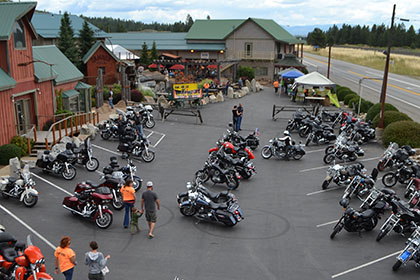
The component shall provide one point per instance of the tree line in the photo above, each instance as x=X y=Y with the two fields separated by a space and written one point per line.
x=375 y=36
x=112 y=25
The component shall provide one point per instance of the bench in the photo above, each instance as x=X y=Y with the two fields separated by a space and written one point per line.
x=189 y=112
x=289 y=108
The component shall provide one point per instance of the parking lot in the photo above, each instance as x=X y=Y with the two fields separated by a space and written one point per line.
x=285 y=233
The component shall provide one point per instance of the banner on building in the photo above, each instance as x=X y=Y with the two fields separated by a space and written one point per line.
x=187 y=91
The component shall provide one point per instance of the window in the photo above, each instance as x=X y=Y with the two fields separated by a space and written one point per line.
x=103 y=70
x=19 y=35
x=248 y=49
x=261 y=71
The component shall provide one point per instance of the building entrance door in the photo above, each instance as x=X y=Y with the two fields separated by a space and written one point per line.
x=23 y=115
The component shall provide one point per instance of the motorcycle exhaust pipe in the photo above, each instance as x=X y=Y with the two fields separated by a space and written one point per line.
x=71 y=209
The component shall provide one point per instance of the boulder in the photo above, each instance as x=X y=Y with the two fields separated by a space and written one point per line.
x=14 y=164
x=93 y=131
x=212 y=99
x=31 y=162
x=258 y=86
x=120 y=105
x=163 y=102
x=254 y=85
x=149 y=99
x=66 y=139
x=220 y=97
x=236 y=95
x=76 y=141
x=247 y=83
x=203 y=101
x=84 y=130
x=245 y=90
x=230 y=92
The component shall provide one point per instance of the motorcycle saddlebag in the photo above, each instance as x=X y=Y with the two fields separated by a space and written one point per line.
x=225 y=217
x=41 y=163
x=71 y=202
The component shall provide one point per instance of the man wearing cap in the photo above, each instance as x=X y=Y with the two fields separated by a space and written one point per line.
x=149 y=201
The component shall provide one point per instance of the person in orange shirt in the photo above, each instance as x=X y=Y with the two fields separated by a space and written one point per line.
x=65 y=258
x=129 y=198
x=206 y=88
x=276 y=86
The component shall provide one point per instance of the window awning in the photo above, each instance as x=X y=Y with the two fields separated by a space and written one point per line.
x=70 y=93
x=82 y=85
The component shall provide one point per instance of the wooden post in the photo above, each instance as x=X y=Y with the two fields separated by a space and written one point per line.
x=53 y=131
x=29 y=145
x=97 y=117
x=71 y=125
x=93 y=117
x=59 y=129
x=65 y=127
x=46 y=144
x=89 y=117
x=75 y=121
x=35 y=138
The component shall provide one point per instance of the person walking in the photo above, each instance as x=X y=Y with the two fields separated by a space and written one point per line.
x=235 y=117
x=240 y=114
x=206 y=88
x=111 y=98
x=276 y=86
x=149 y=201
x=65 y=258
x=129 y=198
x=96 y=262
x=135 y=216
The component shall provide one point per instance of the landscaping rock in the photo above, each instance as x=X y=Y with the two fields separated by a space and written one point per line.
x=203 y=101
x=206 y=99
x=120 y=105
x=31 y=162
x=149 y=99
x=93 y=131
x=14 y=164
x=254 y=85
x=248 y=83
x=236 y=95
x=230 y=92
x=163 y=102
x=245 y=90
x=212 y=99
x=220 y=97
x=258 y=86
x=66 y=139
x=76 y=141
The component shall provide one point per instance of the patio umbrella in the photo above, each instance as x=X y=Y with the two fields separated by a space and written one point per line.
x=154 y=65
x=292 y=74
x=177 y=67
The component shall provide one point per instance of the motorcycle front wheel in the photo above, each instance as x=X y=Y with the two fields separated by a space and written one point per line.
x=136 y=184
x=105 y=135
x=336 y=230
x=266 y=152
x=188 y=211
x=232 y=181
x=297 y=155
x=105 y=221
x=30 y=200
x=328 y=158
x=396 y=265
x=117 y=202
x=202 y=175
x=70 y=174
x=303 y=132
x=150 y=123
x=148 y=156
x=92 y=164
x=329 y=149
x=325 y=184
x=389 y=180
x=383 y=233
x=381 y=166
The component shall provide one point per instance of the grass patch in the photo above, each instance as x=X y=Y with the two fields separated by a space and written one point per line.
x=399 y=64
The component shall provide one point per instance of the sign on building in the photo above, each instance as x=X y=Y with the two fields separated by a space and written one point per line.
x=187 y=91
x=205 y=55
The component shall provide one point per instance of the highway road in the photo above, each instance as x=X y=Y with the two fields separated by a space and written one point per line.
x=402 y=91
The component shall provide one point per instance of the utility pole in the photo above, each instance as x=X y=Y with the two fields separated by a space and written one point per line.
x=385 y=79
x=329 y=61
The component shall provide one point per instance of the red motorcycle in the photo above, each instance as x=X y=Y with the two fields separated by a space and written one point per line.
x=229 y=148
x=91 y=203
x=20 y=262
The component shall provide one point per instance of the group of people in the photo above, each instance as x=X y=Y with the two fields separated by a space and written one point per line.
x=136 y=123
x=237 y=113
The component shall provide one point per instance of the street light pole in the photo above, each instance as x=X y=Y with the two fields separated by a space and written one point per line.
x=385 y=79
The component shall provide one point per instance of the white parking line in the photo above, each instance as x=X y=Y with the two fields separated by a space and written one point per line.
x=315 y=151
x=327 y=223
x=157 y=143
x=99 y=172
x=322 y=191
x=28 y=227
x=150 y=134
x=52 y=184
x=105 y=149
x=326 y=166
x=365 y=265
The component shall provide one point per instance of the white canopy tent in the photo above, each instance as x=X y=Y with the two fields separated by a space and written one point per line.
x=314 y=79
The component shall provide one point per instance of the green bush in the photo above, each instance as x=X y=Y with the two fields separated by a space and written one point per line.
x=246 y=72
x=22 y=143
x=9 y=151
x=348 y=97
x=375 y=109
x=117 y=88
x=403 y=133
x=355 y=100
x=365 y=106
x=342 y=92
x=136 y=95
x=390 y=117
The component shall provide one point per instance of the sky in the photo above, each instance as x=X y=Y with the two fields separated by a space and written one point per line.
x=284 y=12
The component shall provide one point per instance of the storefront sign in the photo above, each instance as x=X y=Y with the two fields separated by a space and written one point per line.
x=187 y=91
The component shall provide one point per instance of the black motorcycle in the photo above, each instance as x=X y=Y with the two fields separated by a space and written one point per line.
x=360 y=185
x=356 y=221
x=327 y=116
x=60 y=164
x=219 y=197
x=110 y=130
x=147 y=119
x=137 y=148
x=296 y=122
x=320 y=136
x=252 y=141
x=277 y=148
x=403 y=174
x=344 y=152
x=244 y=167
x=123 y=173
x=218 y=175
x=84 y=155
x=203 y=208
x=308 y=125
x=342 y=175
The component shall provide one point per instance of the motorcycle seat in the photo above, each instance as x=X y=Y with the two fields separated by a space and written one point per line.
x=77 y=150
x=93 y=184
x=112 y=180
x=12 y=180
x=216 y=206
x=367 y=214
x=9 y=254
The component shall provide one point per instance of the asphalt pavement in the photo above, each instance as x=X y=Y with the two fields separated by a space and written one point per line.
x=402 y=91
x=285 y=233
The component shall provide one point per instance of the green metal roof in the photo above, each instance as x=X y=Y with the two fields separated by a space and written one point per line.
x=47 y=25
x=212 y=29
x=82 y=85
x=6 y=82
x=289 y=60
x=10 y=12
x=165 y=41
x=93 y=49
x=70 y=93
x=62 y=67
x=275 y=30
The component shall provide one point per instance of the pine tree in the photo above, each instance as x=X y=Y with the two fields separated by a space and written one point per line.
x=317 y=38
x=153 y=52
x=144 y=56
x=189 y=22
x=86 y=39
x=410 y=38
x=66 y=42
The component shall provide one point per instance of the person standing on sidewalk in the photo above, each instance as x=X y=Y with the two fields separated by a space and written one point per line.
x=129 y=198
x=111 y=99
x=240 y=113
x=65 y=258
x=96 y=262
x=234 y=117
x=149 y=201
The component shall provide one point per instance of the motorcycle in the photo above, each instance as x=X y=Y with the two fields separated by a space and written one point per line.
x=236 y=151
x=403 y=174
x=413 y=187
x=308 y=125
x=252 y=141
x=356 y=221
x=342 y=175
x=91 y=203
x=203 y=208
x=218 y=175
x=319 y=136
x=296 y=122
x=22 y=188
x=344 y=152
x=18 y=262
x=60 y=164
x=137 y=148
x=110 y=130
x=277 y=148
x=114 y=184
x=219 y=197
x=388 y=157
x=360 y=185
x=84 y=155
x=411 y=250
x=244 y=167
x=123 y=173
x=376 y=195
x=327 y=116
x=145 y=113
x=400 y=220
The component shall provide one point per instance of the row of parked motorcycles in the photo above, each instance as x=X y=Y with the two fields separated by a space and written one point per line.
x=123 y=128
x=404 y=217
x=227 y=163
x=20 y=261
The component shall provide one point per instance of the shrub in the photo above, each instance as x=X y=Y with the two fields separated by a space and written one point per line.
x=117 y=98
x=9 y=151
x=348 y=97
x=355 y=100
x=403 y=133
x=375 y=109
x=246 y=72
x=136 y=95
x=342 y=92
x=390 y=117
x=22 y=143
x=117 y=88
x=365 y=106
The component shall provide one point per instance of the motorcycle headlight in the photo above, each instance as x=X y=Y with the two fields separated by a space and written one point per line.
x=271 y=141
